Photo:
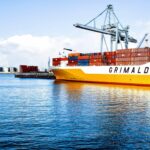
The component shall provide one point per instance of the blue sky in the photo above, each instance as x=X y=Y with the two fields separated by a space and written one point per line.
x=55 y=17
x=26 y=25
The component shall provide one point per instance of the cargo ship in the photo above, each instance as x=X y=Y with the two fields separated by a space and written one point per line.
x=124 y=65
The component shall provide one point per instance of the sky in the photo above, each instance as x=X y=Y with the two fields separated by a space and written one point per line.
x=31 y=31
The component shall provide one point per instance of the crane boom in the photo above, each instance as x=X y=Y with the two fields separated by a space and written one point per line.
x=111 y=27
x=92 y=29
x=122 y=37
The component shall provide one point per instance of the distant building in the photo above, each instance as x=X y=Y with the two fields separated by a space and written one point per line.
x=5 y=69
x=8 y=69
x=1 y=69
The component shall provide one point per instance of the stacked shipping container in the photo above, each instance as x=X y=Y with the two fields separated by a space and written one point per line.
x=140 y=56
x=123 y=57
x=109 y=58
x=83 y=60
x=25 y=68
x=120 y=57
x=58 y=61
x=95 y=59
x=73 y=59
x=137 y=56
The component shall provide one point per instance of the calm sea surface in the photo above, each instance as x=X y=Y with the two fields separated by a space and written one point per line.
x=44 y=114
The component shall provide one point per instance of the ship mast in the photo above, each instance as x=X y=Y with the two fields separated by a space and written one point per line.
x=112 y=27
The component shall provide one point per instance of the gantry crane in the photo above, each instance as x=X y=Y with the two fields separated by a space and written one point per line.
x=111 y=27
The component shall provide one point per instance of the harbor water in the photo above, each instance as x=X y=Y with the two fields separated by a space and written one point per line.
x=45 y=114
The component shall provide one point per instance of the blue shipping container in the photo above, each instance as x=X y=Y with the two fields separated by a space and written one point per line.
x=73 y=58
x=83 y=64
x=84 y=61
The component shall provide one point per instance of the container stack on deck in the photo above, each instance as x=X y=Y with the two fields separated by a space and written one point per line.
x=95 y=59
x=83 y=60
x=58 y=61
x=123 y=57
x=109 y=58
x=134 y=56
x=73 y=59
x=140 y=56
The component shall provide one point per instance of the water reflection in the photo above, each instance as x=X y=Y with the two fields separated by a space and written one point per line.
x=114 y=116
x=44 y=114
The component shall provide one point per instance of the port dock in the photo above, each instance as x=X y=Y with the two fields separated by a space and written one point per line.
x=38 y=75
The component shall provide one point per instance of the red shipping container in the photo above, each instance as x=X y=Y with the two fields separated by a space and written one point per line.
x=72 y=63
x=56 y=63
x=112 y=61
x=95 y=60
x=32 y=69
x=95 y=64
x=23 y=68
x=64 y=59
x=95 y=56
x=83 y=57
x=56 y=59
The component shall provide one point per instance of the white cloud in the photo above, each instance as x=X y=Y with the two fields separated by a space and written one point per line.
x=35 y=50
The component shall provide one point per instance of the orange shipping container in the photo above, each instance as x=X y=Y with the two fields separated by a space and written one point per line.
x=110 y=53
x=123 y=55
x=141 y=50
x=123 y=59
x=64 y=59
x=139 y=54
x=140 y=59
x=123 y=51
x=123 y=63
x=95 y=64
x=73 y=54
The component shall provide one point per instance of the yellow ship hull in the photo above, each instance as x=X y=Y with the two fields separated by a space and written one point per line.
x=78 y=74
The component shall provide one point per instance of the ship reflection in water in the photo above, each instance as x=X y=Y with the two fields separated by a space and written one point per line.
x=107 y=116
x=45 y=114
